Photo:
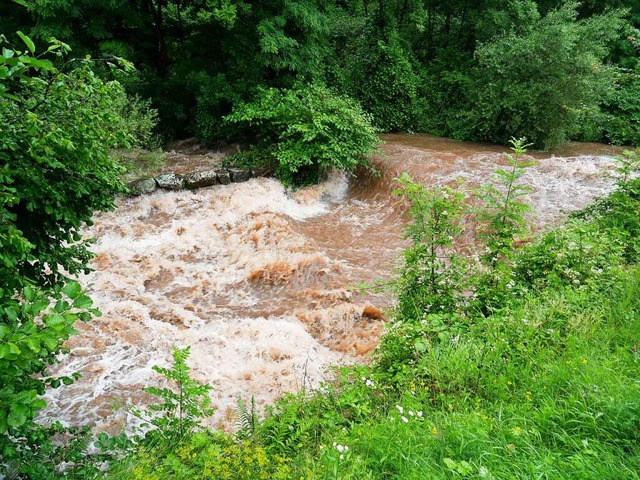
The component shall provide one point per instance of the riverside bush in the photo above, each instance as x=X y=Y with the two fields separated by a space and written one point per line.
x=302 y=132
x=58 y=126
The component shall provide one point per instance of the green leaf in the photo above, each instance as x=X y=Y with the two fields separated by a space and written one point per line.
x=29 y=293
x=21 y=2
x=16 y=419
x=72 y=289
x=83 y=301
x=27 y=41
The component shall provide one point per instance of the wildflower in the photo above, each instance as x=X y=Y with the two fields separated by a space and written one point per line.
x=404 y=419
x=341 y=457
x=411 y=414
x=517 y=431
x=400 y=409
x=434 y=430
x=420 y=413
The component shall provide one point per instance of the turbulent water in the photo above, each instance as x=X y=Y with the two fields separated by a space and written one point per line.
x=262 y=284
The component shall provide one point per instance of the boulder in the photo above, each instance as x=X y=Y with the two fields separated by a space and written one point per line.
x=224 y=177
x=142 y=186
x=239 y=174
x=170 y=181
x=373 y=313
x=203 y=178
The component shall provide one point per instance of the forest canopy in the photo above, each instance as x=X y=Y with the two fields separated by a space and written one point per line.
x=480 y=70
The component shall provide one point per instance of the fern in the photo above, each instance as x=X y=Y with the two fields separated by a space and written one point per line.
x=247 y=420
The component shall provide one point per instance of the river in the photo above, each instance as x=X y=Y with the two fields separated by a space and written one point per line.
x=263 y=284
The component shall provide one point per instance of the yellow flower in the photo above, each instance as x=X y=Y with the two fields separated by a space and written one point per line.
x=434 y=430
x=517 y=431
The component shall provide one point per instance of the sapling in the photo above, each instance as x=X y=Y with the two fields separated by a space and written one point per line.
x=502 y=215
x=431 y=278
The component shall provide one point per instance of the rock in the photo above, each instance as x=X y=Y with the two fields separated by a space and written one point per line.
x=204 y=178
x=224 y=178
x=373 y=313
x=142 y=186
x=170 y=181
x=239 y=175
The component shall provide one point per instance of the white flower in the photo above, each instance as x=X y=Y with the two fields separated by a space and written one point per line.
x=340 y=448
x=420 y=413
x=400 y=409
x=405 y=419
x=341 y=457
x=411 y=413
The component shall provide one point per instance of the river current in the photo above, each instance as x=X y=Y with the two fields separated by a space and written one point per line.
x=261 y=283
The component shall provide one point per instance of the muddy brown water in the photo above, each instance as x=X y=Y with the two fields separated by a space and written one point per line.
x=262 y=283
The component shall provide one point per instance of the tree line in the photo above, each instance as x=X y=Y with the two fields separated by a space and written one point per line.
x=482 y=70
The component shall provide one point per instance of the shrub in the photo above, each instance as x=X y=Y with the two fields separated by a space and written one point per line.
x=302 y=132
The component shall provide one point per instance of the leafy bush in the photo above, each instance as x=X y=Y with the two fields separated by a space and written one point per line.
x=55 y=171
x=58 y=129
x=302 y=132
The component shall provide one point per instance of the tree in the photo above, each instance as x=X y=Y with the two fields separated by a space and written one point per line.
x=536 y=80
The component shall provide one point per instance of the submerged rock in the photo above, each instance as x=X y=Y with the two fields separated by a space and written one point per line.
x=170 y=181
x=142 y=186
x=203 y=178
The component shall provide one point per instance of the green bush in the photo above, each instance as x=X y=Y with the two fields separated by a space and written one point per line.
x=55 y=171
x=302 y=132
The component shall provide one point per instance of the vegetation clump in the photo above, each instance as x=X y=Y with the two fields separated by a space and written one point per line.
x=302 y=132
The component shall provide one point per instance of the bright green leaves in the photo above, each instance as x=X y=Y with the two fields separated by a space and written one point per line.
x=302 y=132
x=72 y=289
x=27 y=41
x=60 y=127
x=180 y=409
x=32 y=333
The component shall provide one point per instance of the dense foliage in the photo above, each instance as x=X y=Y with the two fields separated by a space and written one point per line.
x=301 y=132
x=550 y=70
x=58 y=124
